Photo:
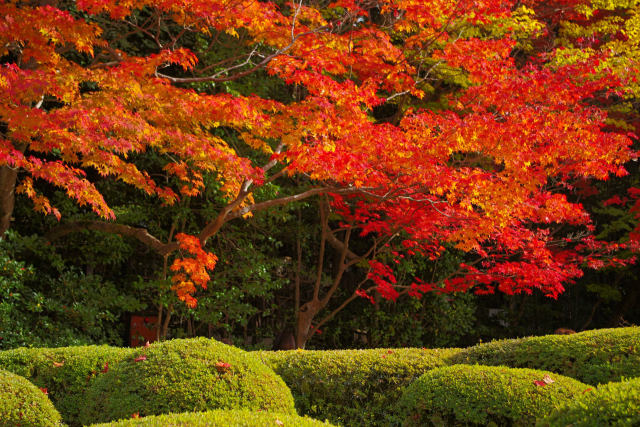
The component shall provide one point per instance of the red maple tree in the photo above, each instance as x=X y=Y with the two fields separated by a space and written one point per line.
x=485 y=168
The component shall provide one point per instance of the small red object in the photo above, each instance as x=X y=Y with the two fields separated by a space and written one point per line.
x=140 y=358
x=222 y=367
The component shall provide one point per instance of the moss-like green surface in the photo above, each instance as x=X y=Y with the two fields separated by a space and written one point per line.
x=185 y=375
x=24 y=404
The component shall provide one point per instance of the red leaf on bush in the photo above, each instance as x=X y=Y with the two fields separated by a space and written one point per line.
x=540 y=383
x=58 y=364
x=106 y=368
x=140 y=358
x=44 y=390
x=135 y=415
x=222 y=367
x=589 y=389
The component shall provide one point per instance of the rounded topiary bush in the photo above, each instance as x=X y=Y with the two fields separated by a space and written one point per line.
x=65 y=372
x=218 y=418
x=351 y=387
x=24 y=404
x=480 y=395
x=593 y=357
x=613 y=404
x=183 y=376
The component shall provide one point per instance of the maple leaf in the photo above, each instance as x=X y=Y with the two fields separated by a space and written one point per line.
x=547 y=379
x=222 y=367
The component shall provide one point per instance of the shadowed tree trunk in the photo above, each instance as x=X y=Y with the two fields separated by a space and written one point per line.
x=8 y=178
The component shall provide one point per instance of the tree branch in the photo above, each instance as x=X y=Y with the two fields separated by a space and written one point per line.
x=141 y=234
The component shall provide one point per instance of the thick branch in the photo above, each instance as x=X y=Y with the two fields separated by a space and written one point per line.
x=294 y=198
x=342 y=268
x=323 y=239
x=140 y=234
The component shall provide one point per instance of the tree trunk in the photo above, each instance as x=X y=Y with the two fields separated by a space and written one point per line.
x=625 y=307
x=305 y=318
x=8 y=178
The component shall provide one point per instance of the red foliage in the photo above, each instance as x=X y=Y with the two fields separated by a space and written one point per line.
x=483 y=173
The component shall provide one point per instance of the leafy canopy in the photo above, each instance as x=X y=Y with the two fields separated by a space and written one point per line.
x=488 y=132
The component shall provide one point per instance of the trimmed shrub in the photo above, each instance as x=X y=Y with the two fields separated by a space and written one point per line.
x=181 y=376
x=484 y=395
x=351 y=387
x=613 y=404
x=219 y=417
x=593 y=357
x=23 y=404
x=65 y=372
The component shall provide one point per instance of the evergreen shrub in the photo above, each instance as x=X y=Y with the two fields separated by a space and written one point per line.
x=612 y=404
x=65 y=372
x=351 y=387
x=24 y=404
x=484 y=395
x=593 y=357
x=218 y=418
x=185 y=375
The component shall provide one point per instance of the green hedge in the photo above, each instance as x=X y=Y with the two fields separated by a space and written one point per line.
x=613 y=404
x=218 y=418
x=65 y=372
x=593 y=357
x=351 y=387
x=22 y=403
x=185 y=375
x=484 y=395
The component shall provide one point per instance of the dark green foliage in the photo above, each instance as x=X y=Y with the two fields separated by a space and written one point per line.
x=483 y=395
x=351 y=387
x=22 y=403
x=593 y=357
x=64 y=372
x=434 y=321
x=185 y=375
x=218 y=418
x=613 y=404
x=46 y=302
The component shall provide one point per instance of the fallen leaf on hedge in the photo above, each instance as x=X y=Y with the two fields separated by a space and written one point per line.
x=589 y=389
x=58 y=364
x=547 y=379
x=135 y=415
x=280 y=423
x=44 y=390
x=146 y=345
x=106 y=368
x=540 y=383
x=140 y=358
x=222 y=366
